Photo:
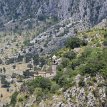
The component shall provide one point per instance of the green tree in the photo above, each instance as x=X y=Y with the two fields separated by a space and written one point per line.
x=63 y=81
x=65 y=62
x=54 y=88
x=36 y=59
x=39 y=82
x=73 y=42
x=30 y=66
x=70 y=55
x=45 y=83
x=14 y=99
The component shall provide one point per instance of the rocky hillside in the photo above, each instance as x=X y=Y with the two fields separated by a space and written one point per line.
x=55 y=36
x=72 y=31
x=87 y=92
x=80 y=80
x=27 y=13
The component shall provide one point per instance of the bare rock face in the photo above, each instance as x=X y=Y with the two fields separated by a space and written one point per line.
x=93 y=10
x=90 y=95
x=55 y=37
x=21 y=12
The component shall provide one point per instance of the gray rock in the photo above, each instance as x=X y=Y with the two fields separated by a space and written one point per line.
x=29 y=13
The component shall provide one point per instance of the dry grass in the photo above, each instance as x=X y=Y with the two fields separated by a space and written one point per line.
x=19 y=68
x=6 y=95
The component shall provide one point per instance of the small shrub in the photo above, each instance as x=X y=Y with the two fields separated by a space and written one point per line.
x=26 y=42
x=70 y=55
x=62 y=81
x=65 y=62
x=73 y=43
x=54 y=88
x=14 y=99
x=90 y=83
x=81 y=83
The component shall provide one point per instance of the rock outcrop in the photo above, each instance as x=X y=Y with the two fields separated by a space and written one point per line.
x=29 y=12
x=56 y=36
x=92 y=94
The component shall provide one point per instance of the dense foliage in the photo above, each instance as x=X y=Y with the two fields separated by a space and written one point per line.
x=13 y=99
x=91 y=60
x=75 y=42
x=42 y=87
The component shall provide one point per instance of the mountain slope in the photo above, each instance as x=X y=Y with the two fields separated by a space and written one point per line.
x=80 y=79
x=20 y=11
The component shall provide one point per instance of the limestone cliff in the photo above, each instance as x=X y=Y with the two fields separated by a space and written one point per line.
x=30 y=11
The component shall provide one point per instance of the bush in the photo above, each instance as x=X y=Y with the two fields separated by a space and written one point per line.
x=39 y=82
x=90 y=83
x=105 y=35
x=81 y=83
x=45 y=83
x=54 y=88
x=1 y=61
x=20 y=98
x=65 y=62
x=58 y=75
x=84 y=43
x=62 y=81
x=36 y=59
x=70 y=55
x=27 y=74
x=42 y=61
x=26 y=42
x=14 y=99
x=74 y=64
x=105 y=42
x=30 y=66
x=14 y=66
x=28 y=57
x=94 y=66
x=59 y=67
x=73 y=43
x=4 y=82
x=39 y=94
